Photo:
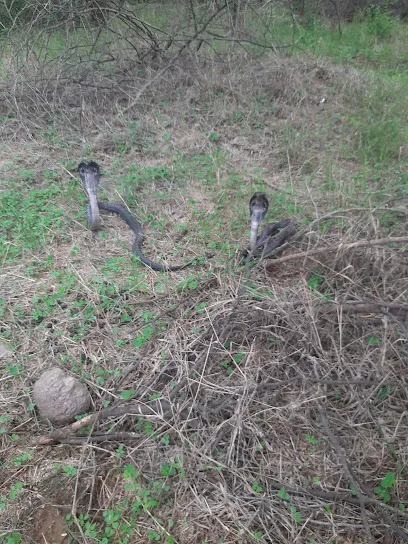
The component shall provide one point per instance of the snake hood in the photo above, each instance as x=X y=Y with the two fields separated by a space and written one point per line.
x=258 y=206
x=90 y=177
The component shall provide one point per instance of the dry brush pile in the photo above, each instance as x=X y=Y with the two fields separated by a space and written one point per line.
x=279 y=404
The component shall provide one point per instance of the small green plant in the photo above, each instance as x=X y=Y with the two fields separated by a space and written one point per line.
x=15 y=489
x=383 y=490
x=315 y=281
x=173 y=468
x=214 y=137
x=384 y=392
x=312 y=440
x=144 y=336
x=296 y=515
x=3 y=420
x=284 y=495
x=127 y=393
x=23 y=458
x=231 y=364
x=256 y=487
x=69 y=470
x=11 y=538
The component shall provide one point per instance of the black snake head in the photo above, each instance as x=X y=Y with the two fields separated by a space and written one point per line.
x=90 y=177
x=258 y=206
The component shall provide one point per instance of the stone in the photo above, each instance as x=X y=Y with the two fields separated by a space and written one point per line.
x=60 y=397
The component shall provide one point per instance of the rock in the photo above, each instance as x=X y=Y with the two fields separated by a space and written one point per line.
x=60 y=397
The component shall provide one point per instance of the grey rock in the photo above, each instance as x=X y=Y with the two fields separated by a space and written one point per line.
x=60 y=397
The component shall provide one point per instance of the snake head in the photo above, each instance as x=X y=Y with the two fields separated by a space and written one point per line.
x=258 y=206
x=90 y=177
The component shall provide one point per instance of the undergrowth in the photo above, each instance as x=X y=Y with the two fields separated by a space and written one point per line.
x=242 y=455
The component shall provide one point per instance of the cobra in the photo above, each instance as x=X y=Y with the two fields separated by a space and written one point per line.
x=90 y=175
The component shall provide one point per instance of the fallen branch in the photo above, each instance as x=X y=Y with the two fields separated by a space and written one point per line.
x=157 y=409
x=338 y=247
x=397 y=310
x=336 y=213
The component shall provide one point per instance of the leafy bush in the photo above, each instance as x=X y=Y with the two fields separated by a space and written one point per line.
x=380 y=22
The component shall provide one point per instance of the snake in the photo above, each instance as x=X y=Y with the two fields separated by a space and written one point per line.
x=271 y=236
x=89 y=173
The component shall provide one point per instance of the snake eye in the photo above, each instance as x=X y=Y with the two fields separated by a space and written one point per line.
x=82 y=170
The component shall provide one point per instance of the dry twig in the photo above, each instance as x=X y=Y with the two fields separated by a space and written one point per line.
x=338 y=247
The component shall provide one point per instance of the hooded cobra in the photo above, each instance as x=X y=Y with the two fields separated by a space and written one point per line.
x=90 y=177
x=272 y=236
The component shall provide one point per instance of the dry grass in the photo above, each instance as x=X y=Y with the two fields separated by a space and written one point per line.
x=241 y=430
x=260 y=363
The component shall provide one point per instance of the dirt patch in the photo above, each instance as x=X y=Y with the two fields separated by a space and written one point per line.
x=49 y=526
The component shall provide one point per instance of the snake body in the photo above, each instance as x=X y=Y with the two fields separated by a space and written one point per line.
x=139 y=236
x=271 y=229
x=90 y=176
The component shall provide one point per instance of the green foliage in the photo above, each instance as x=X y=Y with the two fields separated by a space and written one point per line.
x=380 y=22
x=144 y=336
x=314 y=281
x=11 y=538
x=282 y=494
x=256 y=487
x=311 y=439
x=15 y=489
x=23 y=458
x=127 y=394
x=386 y=484
x=173 y=468
x=119 y=521
x=122 y=518
x=231 y=364
x=27 y=221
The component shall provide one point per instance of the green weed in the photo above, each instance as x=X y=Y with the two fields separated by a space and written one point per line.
x=28 y=220
x=386 y=484
x=15 y=490
x=121 y=520
x=284 y=495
